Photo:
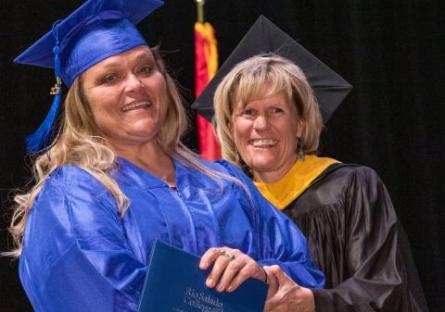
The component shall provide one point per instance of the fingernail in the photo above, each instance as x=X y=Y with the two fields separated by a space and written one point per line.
x=230 y=289
x=210 y=283
x=220 y=288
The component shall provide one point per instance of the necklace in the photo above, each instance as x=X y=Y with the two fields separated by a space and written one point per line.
x=170 y=177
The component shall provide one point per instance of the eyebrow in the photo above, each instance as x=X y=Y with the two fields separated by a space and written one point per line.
x=141 y=56
x=144 y=55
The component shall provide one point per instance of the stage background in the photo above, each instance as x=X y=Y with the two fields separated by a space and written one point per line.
x=392 y=52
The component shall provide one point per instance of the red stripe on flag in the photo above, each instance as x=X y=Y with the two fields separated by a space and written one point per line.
x=208 y=145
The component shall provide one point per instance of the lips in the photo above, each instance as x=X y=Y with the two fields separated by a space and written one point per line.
x=136 y=105
x=263 y=143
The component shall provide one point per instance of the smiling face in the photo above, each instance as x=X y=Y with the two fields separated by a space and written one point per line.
x=265 y=132
x=127 y=96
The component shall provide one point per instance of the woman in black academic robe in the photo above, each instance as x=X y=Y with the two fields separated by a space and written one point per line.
x=269 y=123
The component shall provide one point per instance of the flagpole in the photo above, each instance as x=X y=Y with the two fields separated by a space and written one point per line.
x=206 y=64
x=200 y=10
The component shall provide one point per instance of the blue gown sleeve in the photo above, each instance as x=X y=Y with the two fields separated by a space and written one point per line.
x=76 y=245
x=280 y=241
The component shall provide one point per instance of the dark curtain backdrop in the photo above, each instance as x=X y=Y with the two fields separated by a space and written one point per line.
x=391 y=51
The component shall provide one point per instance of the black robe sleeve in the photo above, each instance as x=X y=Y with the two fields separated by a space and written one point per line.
x=354 y=234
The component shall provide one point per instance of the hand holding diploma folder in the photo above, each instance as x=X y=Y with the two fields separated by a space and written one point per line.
x=174 y=282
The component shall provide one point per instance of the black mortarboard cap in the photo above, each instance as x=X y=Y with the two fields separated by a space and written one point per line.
x=265 y=37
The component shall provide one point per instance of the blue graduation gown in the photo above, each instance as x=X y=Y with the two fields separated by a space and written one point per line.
x=80 y=255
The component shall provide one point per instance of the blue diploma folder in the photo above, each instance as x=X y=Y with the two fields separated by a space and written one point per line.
x=174 y=282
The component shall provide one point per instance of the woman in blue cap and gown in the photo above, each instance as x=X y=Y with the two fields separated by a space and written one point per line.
x=116 y=177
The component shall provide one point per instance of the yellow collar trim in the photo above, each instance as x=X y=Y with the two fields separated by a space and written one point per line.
x=295 y=181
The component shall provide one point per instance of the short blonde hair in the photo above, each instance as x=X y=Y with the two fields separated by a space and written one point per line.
x=246 y=82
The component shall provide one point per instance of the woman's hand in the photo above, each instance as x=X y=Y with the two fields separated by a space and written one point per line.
x=286 y=295
x=230 y=268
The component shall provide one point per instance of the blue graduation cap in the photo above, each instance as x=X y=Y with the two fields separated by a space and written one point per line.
x=96 y=30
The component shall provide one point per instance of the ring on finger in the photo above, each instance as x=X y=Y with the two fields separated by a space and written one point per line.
x=228 y=255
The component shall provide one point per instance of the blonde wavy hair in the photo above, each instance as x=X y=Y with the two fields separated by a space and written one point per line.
x=79 y=142
x=259 y=77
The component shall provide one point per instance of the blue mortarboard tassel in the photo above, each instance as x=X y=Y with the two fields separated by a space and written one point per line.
x=41 y=137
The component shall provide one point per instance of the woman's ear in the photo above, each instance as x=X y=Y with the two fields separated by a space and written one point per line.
x=230 y=120
x=301 y=125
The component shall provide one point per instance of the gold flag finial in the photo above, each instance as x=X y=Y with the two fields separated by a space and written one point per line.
x=200 y=10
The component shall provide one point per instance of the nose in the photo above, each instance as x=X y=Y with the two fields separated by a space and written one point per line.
x=261 y=122
x=134 y=83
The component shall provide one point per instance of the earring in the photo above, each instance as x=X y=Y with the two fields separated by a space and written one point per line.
x=300 y=149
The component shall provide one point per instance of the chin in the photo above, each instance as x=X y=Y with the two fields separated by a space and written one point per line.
x=148 y=129
x=263 y=167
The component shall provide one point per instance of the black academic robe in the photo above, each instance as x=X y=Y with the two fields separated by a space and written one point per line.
x=356 y=240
